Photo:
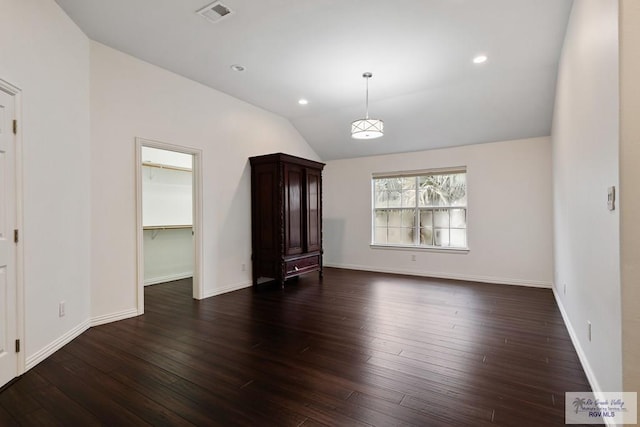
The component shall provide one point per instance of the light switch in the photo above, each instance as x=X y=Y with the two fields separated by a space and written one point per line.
x=611 y=198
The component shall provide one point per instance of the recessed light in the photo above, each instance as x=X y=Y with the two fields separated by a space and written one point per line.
x=480 y=59
x=236 y=67
x=303 y=101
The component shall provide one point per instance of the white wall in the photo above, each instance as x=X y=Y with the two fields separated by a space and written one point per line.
x=585 y=162
x=131 y=98
x=47 y=56
x=167 y=196
x=509 y=214
x=166 y=157
x=630 y=190
x=168 y=255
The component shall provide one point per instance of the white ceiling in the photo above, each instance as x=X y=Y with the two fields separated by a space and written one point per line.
x=424 y=86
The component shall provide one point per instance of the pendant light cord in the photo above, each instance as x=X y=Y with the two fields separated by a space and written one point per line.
x=367 y=98
x=367 y=76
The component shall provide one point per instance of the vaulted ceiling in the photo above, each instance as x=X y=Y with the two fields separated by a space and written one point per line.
x=425 y=86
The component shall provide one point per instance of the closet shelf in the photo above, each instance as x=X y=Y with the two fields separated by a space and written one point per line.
x=165 y=227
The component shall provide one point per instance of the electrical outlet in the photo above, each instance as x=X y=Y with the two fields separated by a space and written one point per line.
x=589 y=329
x=413 y=257
x=61 y=309
x=244 y=267
x=564 y=289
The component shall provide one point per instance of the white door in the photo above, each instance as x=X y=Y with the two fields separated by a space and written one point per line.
x=8 y=291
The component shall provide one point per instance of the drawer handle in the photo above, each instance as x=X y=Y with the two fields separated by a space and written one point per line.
x=295 y=267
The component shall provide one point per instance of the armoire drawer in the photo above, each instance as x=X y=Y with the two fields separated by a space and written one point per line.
x=302 y=264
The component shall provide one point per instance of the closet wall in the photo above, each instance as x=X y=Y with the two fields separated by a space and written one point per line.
x=167 y=217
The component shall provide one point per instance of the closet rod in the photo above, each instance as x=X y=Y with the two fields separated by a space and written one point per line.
x=161 y=166
x=165 y=227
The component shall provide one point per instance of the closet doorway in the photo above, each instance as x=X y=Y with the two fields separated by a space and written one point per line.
x=169 y=201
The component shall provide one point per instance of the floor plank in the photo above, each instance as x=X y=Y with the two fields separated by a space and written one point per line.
x=357 y=349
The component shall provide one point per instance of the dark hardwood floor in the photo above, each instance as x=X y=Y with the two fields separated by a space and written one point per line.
x=359 y=349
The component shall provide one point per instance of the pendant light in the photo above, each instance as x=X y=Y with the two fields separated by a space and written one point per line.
x=367 y=128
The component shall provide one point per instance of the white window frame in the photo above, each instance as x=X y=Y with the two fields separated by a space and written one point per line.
x=417 y=209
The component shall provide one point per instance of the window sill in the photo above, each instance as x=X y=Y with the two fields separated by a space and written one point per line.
x=421 y=248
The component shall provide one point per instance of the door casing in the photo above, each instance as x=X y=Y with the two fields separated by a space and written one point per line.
x=198 y=292
x=16 y=93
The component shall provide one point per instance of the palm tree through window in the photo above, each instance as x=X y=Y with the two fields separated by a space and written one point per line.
x=423 y=210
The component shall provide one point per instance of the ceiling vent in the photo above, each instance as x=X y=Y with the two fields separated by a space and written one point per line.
x=215 y=11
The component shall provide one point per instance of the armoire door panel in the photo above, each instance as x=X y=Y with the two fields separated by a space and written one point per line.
x=314 y=208
x=293 y=212
x=267 y=209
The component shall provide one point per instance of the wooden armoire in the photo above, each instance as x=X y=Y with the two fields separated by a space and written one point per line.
x=286 y=217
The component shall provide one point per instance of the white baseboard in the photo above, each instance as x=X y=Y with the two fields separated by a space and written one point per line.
x=56 y=345
x=593 y=382
x=224 y=290
x=167 y=278
x=471 y=278
x=113 y=317
x=65 y=339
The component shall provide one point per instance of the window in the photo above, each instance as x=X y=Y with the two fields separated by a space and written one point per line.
x=426 y=209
